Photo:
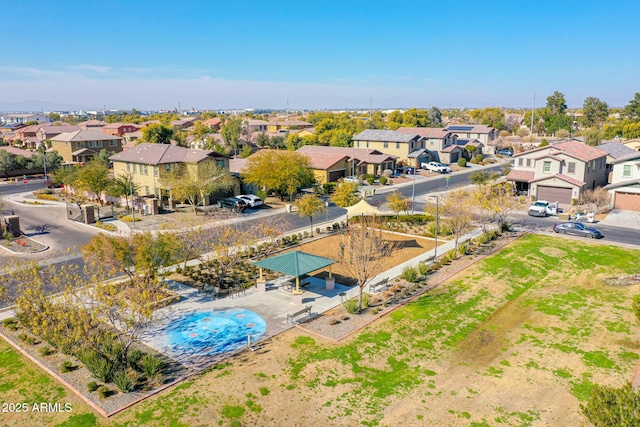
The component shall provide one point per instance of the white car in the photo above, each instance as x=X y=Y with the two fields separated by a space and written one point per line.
x=436 y=167
x=353 y=179
x=543 y=208
x=251 y=200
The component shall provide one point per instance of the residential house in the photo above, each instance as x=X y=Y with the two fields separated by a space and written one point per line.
x=81 y=145
x=277 y=125
x=614 y=151
x=483 y=133
x=148 y=164
x=441 y=144
x=119 y=128
x=625 y=182
x=254 y=125
x=213 y=123
x=398 y=144
x=93 y=123
x=634 y=143
x=132 y=138
x=359 y=161
x=24 y=118
x=49 y=131
x=559 y=172
x=182 y=123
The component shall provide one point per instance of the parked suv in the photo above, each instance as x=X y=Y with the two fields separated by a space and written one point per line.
x=436 y=167
x=233 y=203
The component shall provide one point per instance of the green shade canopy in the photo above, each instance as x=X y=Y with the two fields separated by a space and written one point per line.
x=295 y=263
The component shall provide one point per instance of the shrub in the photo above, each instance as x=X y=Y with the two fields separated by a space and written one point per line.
x=151 y=365
x=133 y=358
x=410 y=274
x=92 y=386
x=103 y=392
x=366 y=299
x=66 y=366
x=128 y=218
x=505 y=226
x=28 y=339
x=317 y=230
x=370 y=179
x=474 y=161
x=463 y=248
x=423 y=268
x=46 y=197
x=574 y=202
x=300 y=236
x=483 y=239
x=125 y=381
x=479 y=158
x=383 y=180
x=333 y=321
x=306 y=234
x=328 y=228
x=11 y=324
x=98 y=365
x=46 y=350
x=462 y=162
x=351 y=305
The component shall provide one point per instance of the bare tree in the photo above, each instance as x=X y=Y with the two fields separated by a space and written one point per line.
x=596 y=200
x=365 y=251
x=455 y=211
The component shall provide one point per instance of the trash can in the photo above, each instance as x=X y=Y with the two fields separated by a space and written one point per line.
x=287 y=207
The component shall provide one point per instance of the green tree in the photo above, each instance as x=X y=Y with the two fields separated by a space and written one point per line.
x=397 y=203
x=55 y=117
x=230 y=132
x=593 y=136
x=309 y=205
x=435 y=117
x=93 y=178
x=556 y=104
x=455 y=211
x=595 y=112
x=123 y=186
x=7 y=162
x=280 y=171
x=157 y=134
x=345 y=194
x=194 y=187
x=632 y=109
x=609 y=406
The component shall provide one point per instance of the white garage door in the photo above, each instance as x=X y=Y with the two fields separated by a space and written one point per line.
x=554 y=194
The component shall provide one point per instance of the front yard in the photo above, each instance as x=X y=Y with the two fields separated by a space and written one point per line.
x=517 y=339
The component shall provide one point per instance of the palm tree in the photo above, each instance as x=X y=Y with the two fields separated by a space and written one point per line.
x=123 y=186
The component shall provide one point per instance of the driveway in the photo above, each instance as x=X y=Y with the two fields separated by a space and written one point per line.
x=622 y=218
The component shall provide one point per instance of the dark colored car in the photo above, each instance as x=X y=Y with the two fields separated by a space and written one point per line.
x=577 y=228
x=238 y=205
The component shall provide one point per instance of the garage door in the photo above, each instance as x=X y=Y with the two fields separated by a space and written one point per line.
x=335 y=175
x=627 y=201
x=554 y=194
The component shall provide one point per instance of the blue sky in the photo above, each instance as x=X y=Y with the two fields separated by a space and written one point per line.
x=329 y=54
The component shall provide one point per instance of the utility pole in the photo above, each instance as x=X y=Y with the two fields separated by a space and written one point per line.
x=533 y=113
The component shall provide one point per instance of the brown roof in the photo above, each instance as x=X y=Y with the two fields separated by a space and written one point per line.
x=450 y=149
x=17 y=151
x=562 y=177
x=85 y=135
x=118 y=125
x=156 y=154
x=367 y=155
x=92 y=123
x=324 y=160
x=212 y=122
x=579 y=150
x=521 y=176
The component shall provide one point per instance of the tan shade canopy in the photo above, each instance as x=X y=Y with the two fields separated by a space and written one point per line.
x=363 y=208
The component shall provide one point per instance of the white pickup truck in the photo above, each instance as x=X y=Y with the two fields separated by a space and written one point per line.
x=543 y=208
x=435 y=167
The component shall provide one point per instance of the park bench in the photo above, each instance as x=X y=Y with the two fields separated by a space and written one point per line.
x=291 y=317
x=378 y=286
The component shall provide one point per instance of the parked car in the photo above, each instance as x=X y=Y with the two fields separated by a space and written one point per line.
x=354 y=179
x=436 y=167
x=506 y=153
x=251 y=200
x=577 y=228
x=233 y=203
x=543 y=208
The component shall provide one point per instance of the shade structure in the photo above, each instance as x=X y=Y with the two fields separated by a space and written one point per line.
x=295 y=263
x=362 y=208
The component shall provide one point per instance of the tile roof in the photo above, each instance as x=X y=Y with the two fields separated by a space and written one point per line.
x=629 y=183
x=579 y=150
x=451 y=149
x=85 y=135
x=521 y=176
x=324 y=160
x=562 y=177
x=18 y=152
x=364 y=155
x=156 y=154
x=631 y=156
x=616 y=149
x=453 y=128
x=385 y=135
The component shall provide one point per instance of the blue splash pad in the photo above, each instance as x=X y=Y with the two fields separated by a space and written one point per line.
x=214 y=332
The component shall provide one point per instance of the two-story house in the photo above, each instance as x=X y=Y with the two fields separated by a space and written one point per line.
x=485 y=134
x=398 y=144
x=255 y=125
x=559 y=172
x=81 y=145
x=441 y=144
x=277 y=125
x=625 y=182
x=119 y=128
x=147 y=164
x=333 y=163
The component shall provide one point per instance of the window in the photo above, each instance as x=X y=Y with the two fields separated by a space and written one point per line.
x=627 y=170
x=167 y=167
x=546 y=167
x=520 y=161
x=128 y=167
x=367 y=144
x=358 y=144
x=571 y=167
x=146 y=172
x=528 y=163
x=80 y=144
x=113 y=143
x=397 y=145
x=95 y=143
x=134 y=168
x=156 y=171
x=220 y=163
x=432 y=142
x=385 y=144
x=146 y=188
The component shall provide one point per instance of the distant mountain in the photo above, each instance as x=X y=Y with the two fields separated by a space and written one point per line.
x=34 y=106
